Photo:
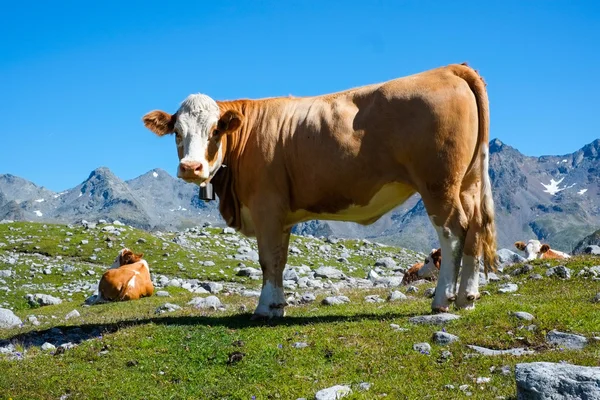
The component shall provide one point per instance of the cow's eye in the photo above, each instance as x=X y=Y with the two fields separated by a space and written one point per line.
x=215 y=133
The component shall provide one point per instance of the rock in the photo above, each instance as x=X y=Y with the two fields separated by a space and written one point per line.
x=290 y=275
x=597 y=298
x=212 y=287
x=210 y=302
x=429 y=292
x=307 y=298
x=5 y=273
x=433 y=319
x=329 y=273
x=84 y=241
x=593 y=250
x=507 y=258
x=561 y=271
x=522 y=270
x=249 y=271
x=364 y=386
x=68 y=268
x=444 y=338
x=8 y=319
x=386 y=262
x=48 y=346
x=209 y=263
x=373 y=298
x=250 y=293
x=162 y=293
x=518 y=351
x=545 y=380
x=333 y=393
x=73 y=314
x=412 y=289
x=300 y=345
x=423 y=348
x=397 y=295
x=39 y=299
x=508 y=288
x=536 y=277
x=482 y=379
x=228 y=231
x=389 y=281
x=525 y=316
x=335 y=300
x=167 y=307
x=373 y=276
x=566 y=340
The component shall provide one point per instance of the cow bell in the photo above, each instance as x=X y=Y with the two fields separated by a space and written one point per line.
x=206 y=192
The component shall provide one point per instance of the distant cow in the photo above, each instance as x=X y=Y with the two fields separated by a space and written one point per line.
x=127 y=279
x=348 y=156
x=534 y=249
x=424 y=270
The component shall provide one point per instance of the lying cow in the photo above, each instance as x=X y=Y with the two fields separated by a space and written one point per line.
x=348 y=156
x=127 y=279
x=427 y=270
x=534 y=249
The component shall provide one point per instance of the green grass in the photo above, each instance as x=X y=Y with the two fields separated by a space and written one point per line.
x=183 y=355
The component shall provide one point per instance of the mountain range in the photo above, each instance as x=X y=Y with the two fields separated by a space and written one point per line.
x=551 y=198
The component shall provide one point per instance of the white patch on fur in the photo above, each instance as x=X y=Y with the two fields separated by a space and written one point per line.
x=131 y=282
x=195 y=118
x=145 y=265
x=532 y=249
x=446 y=287
x=270 y=295
x=469 y=282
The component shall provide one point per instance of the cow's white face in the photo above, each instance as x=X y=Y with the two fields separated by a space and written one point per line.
x=432 y=264
x=532 y=248
x=199 y=127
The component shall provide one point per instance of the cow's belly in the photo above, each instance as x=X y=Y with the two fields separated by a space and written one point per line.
x=388 y=197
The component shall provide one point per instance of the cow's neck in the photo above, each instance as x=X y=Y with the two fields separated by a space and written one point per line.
x=224 y=181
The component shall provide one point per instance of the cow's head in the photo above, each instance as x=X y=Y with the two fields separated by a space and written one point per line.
x=199 y=126
x=126 y=257
x=532 y=248
x=431 y=265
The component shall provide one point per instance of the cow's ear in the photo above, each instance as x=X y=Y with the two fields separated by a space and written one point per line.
x=544 y=248
x=159 y=122
x=229 y=121
x=520 y=245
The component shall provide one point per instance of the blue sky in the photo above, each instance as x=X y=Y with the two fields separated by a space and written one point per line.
x=76 y=79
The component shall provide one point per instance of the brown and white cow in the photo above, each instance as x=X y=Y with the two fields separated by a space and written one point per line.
x=127 y=279
x=349 y=156
x=424 y=270
x=534 y=249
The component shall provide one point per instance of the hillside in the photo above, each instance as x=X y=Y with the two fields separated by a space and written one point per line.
x=551 y=198
x=164 y=346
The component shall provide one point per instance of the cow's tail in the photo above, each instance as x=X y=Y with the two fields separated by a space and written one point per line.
x=487 y=236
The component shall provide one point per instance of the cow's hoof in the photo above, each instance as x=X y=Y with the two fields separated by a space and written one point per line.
x=467 y=302
x=439 y=309
x=273 y=311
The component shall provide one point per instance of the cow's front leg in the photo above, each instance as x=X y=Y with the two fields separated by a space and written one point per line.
x=445 y=291
x=272 y=250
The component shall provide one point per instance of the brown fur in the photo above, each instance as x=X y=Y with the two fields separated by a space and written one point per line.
x=113 y=285
x=520 y=245
x=129 y=257
x=159 y=122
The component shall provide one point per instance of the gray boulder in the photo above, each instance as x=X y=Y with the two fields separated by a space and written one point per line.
x=561 y=271
x=593 y=250
x=335 y=300
x=548 y=381
x=210 y=303
x=333 y=393
x=8 y=319
x=566 y=340
x=39 y=299
x=329 y=273
x=507 y=258
x=444 y=338
x=433 y=319
x=386 y=262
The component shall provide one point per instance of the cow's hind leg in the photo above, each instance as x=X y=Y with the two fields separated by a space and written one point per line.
x=273 y=244
x=450 y=223
x=468 y=291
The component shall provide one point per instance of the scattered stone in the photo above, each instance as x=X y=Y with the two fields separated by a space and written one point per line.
x=525 y=316
x=545 y=380
x=335 y=300
x=597 y=298
x=167 y=307
x=48 y=346
x=249 y=271
x=210 y=302
x=522 y=270
x=386 y=262
x=73 y=314
x=482 y=379
x=507 y=257
x=397 y=295
x=228 y=231
x=212 y=287
x=8 y=319
x=250 y=293
x=373 y=298
x=333 y=393
x=566 y=340
x=300 y=345
x=307 y=298
x=162 y=293
x=593 y=250
x=433 y=319
x=536 y=277
x=412 y=289
x=444 y=338
x=5 y=273
x=561 y=271
x=508 y=288
x=68 y=268
x=423 y=348
x=429 y=292
x=39 y=299
x=329 y=273
x=518 y=351
x=84 y=241
x=364 y=386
